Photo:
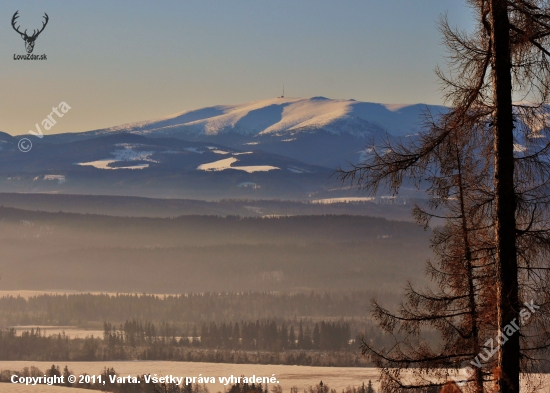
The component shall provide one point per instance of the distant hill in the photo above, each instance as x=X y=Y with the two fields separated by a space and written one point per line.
x=66 y=251
x=278 y=148
x=316 y=130
x=126 y=206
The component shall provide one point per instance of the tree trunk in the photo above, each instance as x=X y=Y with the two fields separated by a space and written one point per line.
x=478 y=373
x=505 y=203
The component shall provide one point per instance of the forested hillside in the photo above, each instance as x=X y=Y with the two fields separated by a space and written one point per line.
x=85 y=252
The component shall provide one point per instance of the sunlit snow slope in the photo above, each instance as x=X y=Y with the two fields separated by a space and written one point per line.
x=287 y=116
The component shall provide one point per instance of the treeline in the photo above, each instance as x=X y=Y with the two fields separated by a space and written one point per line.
x=161 y=351
x=263 y=335
x=209 y=229
x=35 y=346
x=192 y=308
x=150 y=207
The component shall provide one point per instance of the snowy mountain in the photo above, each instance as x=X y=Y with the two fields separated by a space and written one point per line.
x=317 y=130
x=280 y=116
x=276 y=148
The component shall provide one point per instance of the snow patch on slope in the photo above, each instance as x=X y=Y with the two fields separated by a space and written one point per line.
x=104 y=164
x=224 y=164
x=126 y=154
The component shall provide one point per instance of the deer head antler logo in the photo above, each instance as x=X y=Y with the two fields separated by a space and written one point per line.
x=29 y=40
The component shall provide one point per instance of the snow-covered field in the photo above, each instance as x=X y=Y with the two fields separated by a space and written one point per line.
x=344 y=200
x=224 y=164
x=13 y=388
x=24 y=293
x=126 y=154
x=99 y=164
x=69 y=331
x=104 y=164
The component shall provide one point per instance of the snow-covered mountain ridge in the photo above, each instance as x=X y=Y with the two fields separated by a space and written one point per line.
x=317 y=130
x=280 y=116
x=280 y=147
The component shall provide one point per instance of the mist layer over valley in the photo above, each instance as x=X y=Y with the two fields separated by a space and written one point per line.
x=86 y=252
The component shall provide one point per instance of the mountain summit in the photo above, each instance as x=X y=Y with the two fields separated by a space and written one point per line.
x=277 y=148
x=317 y=130
x=285 y=116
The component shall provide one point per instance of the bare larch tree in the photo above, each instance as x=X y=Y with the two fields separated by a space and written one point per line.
x=497 y=85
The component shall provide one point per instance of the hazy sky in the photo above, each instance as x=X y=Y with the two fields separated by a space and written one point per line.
x=118 y=61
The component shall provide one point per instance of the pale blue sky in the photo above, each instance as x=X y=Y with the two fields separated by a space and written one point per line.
x=117 y=61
